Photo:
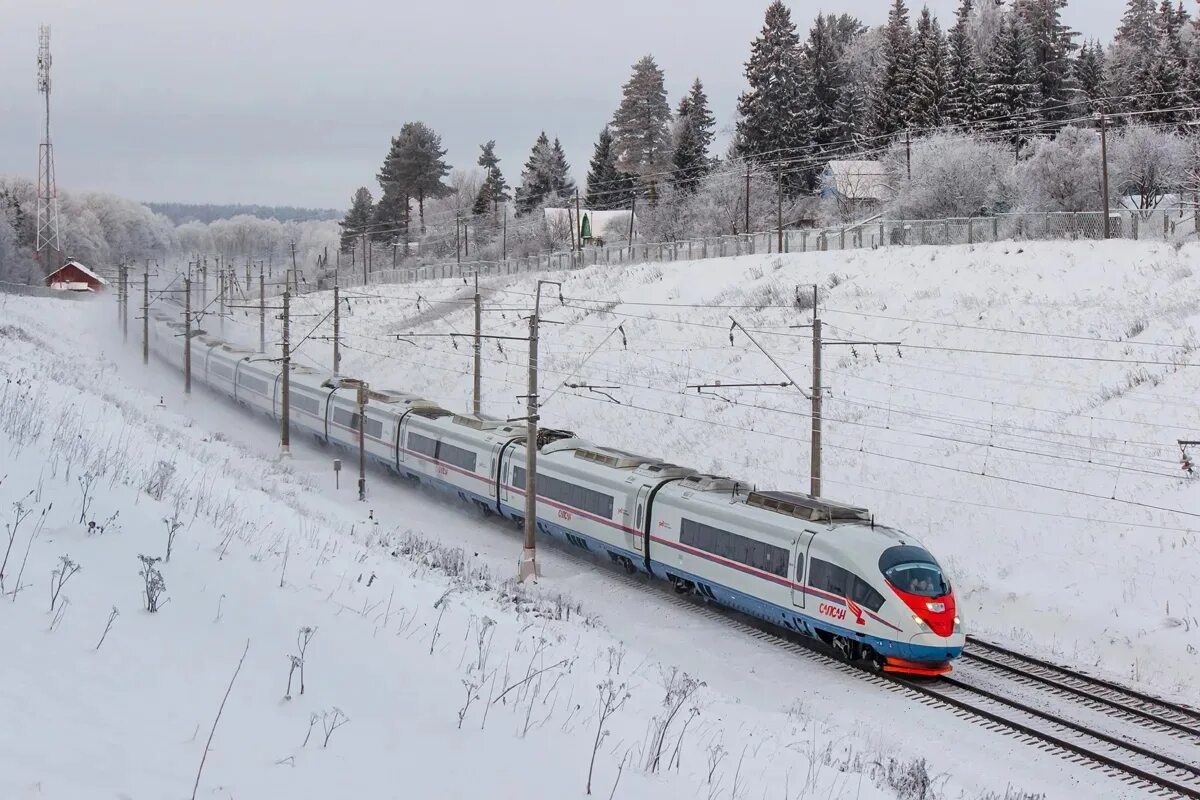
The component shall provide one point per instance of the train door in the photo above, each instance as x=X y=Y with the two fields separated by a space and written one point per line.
x=636 y=541
x=496 y=464
x=799 y=577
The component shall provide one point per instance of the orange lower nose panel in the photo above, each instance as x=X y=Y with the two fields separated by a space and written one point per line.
x=900 y=666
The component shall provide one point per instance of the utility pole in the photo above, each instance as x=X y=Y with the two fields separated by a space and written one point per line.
x=528 y=567
x=632 y=214
x=146 y=314
x=457 y=239
x=779 y=208
x=747 y=198
x=364 y=259
x=125 y=303
x=578 y=222
x=362 y=447
x=1104 y=170
x=262 y=311
x=504 y=245
x=187 y=335
x=466 y=238
x=337 y=356
x=285 y=443
x=295 y=275
x=221 y=282
x=476 y=386
x=908 y=151
x=818 y=388
x=815 y=445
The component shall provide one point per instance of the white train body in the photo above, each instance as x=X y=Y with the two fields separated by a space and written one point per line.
x=820 y=568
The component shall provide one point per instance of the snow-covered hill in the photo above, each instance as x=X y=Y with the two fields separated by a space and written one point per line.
x=409 y=596
x=1026 y=426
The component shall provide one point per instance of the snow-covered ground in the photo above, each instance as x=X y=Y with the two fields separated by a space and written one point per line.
x=403 y=629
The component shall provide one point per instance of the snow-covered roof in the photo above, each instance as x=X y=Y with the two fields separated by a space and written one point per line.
x=599 y=220
x=82 y=269
x=857 y=180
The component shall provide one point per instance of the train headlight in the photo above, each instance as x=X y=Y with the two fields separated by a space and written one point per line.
x=920 y=623
x=957 y=624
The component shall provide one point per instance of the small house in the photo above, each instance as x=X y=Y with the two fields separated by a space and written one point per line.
x=75 y=277
x=856 y=186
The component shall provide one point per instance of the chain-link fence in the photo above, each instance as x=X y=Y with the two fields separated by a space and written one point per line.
x=1168 y=225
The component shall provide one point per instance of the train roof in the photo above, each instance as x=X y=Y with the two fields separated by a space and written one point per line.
x=805 y=506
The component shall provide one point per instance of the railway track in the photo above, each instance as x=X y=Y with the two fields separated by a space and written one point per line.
x=1146 y=742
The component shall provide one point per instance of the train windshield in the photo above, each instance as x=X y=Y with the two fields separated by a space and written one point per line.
x=913 y=570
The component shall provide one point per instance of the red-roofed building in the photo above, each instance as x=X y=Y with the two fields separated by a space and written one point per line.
x=75 y=277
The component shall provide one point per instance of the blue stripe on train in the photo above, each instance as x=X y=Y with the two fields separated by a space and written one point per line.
x=786 y=617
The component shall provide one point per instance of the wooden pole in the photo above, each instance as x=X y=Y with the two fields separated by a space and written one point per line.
x=285 y=448
x=815 y=447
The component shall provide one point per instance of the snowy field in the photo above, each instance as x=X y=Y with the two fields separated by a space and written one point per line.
x=456 y=683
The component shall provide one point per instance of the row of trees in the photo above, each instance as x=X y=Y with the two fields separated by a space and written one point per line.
x=1014 y=69
x=102 y=230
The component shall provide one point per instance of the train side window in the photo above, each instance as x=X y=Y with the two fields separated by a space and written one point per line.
x=639 y=515
x=865 y=595
x=799 y=568
x=735 y=547
x=518 y=477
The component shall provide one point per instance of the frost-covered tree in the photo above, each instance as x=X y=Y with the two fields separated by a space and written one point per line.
x=1063 y=174
x=821 y=62
x=771 y=127
x=358 y=219
x=1051 y=45
x=415 y=166
x=641 y=125
x=953 y=175
x=931 y=80
x=546 y=175
x=1131 y=59
x=964 y=105
x=850 y=116
x=694 y=134
x=391 y=220
x=493 y=183
x=1089 y=74
x=1011 y=99
x=1148 y=163
x=607 y=187
x=894 y=93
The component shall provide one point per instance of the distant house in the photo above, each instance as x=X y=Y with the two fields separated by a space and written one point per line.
x=857 y=186
x=75 y=277
x=592 y=225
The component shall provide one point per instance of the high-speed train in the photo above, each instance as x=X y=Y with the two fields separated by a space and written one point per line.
x=821 y=568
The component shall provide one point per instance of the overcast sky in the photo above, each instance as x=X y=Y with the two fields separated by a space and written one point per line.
x=292 y=102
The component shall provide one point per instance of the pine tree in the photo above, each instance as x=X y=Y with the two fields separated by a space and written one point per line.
x=850 y=112
x=415 y=166
x=641 y=125
x=358 y=218
x=894 y=94
x=930 y=85
x=546 y=174
x=1131 y=71
x=1088 y=70
x=1051 y=44
x=535 y=178
x=607 y=187
x=822 y=77
x=769 y=127
x=694 y=132
x=561 y=182
x=963 y=103
x=391 y=217
x=497 y=187
x=1011 y=99
x=485 y=200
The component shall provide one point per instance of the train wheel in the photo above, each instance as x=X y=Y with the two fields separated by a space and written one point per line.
x=846 y=649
